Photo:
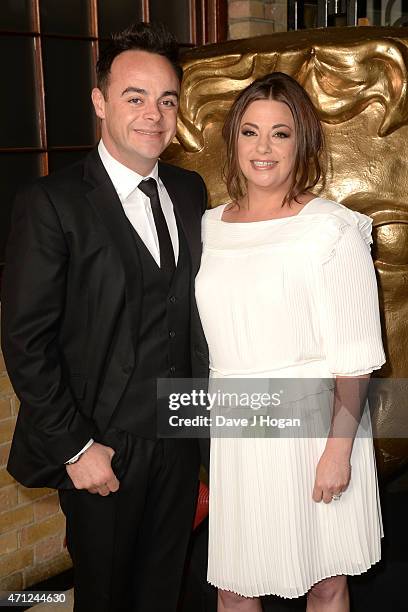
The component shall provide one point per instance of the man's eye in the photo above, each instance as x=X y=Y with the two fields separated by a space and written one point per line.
x=168 y=103
x=135 y=100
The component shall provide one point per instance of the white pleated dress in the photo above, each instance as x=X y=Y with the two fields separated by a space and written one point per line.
x=294 y=297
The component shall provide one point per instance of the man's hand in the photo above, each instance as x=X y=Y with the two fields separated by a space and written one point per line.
x=93 y=470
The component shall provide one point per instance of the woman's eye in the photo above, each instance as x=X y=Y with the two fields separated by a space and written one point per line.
x=281 y=135
x=248 y=133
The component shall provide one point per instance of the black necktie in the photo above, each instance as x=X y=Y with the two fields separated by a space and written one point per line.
x=149 y=188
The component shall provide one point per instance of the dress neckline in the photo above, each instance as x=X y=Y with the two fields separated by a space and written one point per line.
x=266 y=220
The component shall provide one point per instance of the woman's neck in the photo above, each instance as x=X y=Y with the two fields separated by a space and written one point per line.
x=259 y=204
x=257 y=201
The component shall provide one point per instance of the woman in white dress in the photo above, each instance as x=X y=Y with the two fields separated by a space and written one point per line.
x=287 y=289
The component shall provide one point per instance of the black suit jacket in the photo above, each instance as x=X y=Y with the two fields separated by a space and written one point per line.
x=71 y=284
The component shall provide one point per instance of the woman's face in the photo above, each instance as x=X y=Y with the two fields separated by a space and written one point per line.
x=266 y=145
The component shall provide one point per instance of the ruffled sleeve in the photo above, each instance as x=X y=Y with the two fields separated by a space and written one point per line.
x=349 y=306
x=336 y=224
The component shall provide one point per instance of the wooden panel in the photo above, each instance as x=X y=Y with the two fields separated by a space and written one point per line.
x=15 y=170
x=18 y=104
x=115 y=15
x=16 y=16
x=68 y=80
x=175 y=15
x=72 y=17
x=60 y=159
x=216 y=21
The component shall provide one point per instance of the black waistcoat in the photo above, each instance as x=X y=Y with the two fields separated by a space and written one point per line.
x=163 y=345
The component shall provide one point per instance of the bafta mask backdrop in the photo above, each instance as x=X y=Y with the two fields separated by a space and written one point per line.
x=357 y=79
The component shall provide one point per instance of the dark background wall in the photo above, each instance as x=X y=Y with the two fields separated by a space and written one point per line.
x=48 y=51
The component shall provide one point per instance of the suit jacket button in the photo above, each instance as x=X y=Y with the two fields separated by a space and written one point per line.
x=172 y=334
x=173 y=299
x=172 y=370
x=127 y=369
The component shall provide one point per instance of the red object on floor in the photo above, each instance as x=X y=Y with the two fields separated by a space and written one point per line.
x=202 y=505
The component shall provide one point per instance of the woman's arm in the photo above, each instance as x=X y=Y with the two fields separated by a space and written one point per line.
x=333 y=471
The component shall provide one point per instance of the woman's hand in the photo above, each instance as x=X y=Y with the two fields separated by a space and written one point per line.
x=332 y=477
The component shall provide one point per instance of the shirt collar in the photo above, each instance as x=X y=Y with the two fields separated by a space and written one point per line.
x=123 y=178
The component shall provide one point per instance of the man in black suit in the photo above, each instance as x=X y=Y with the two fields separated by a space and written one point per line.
x=98 y=302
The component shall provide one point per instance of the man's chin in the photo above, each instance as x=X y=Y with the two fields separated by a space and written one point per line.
x=149 y=153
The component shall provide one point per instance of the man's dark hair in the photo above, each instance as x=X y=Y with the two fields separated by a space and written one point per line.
x=150 y=37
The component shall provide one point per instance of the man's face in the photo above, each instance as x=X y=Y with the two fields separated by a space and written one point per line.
x=139 y=110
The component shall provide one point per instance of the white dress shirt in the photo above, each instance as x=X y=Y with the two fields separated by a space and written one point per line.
x=138 y=210
x=137 y=205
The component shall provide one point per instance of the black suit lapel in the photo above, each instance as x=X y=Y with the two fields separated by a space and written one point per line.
x=106 y=203
x=187 y=217
x=183 y=211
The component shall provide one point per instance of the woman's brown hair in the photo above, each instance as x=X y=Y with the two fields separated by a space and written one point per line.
x=309 y=133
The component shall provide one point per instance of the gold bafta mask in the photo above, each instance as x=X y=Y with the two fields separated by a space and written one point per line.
x=357 y=79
